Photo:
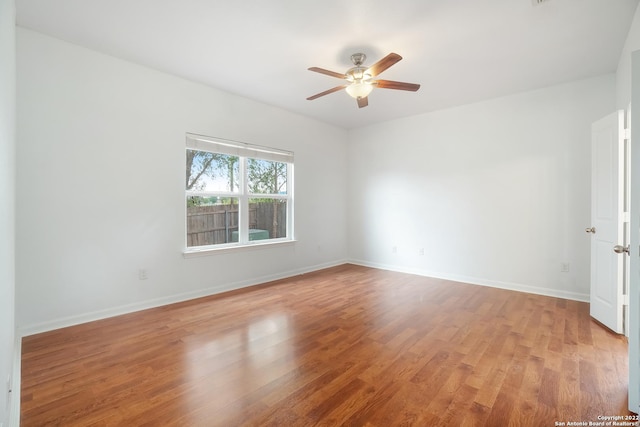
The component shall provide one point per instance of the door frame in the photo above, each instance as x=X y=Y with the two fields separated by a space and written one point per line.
x=634 y=261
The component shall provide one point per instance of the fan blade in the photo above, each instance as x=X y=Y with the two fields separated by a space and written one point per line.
x=390 y=84
x=363 y=102
x=327 y=72
x=383 y=64
x=326 y=92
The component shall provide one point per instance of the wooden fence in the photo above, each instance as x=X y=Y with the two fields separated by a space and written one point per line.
x=216 y=224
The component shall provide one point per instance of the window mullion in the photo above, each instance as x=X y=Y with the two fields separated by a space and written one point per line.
x=243 y=232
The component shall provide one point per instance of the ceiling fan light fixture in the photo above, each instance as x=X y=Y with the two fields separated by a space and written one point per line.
x=359 y=89
x=360 y=80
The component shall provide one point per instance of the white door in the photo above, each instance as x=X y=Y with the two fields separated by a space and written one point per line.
x=607 y=220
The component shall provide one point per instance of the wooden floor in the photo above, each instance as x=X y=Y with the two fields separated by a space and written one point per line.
x=345 y=346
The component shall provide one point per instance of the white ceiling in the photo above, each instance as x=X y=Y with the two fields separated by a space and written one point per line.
x=460 y=51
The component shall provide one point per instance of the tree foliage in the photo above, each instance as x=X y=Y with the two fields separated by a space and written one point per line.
x=204 y=168
x=266 y=177
x=199 y=164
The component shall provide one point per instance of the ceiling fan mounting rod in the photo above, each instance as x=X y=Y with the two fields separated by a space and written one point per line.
x=358 y=59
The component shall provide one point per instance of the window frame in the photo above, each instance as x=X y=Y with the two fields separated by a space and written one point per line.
x=244 y=152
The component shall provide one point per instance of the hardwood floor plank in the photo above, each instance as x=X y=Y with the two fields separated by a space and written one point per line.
x=457 y=411
x=549 y=387
x=373 y=404
x=569 y=387
x=348 y=345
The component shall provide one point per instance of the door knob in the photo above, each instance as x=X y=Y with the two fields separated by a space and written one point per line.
x=590 y=230
x=619 y=249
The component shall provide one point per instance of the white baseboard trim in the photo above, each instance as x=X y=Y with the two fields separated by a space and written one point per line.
x=14 y=397
x=171 y=299
x=64 y=322
x=481 y=282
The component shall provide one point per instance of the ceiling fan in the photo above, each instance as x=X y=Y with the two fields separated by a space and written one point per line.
x=360 y=79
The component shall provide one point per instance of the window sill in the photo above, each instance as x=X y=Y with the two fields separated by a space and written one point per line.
x=208 y=251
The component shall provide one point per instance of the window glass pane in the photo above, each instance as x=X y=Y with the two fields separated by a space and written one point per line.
x=212 y=171
x=267 y=219
x=266 y=177
x=211 y=220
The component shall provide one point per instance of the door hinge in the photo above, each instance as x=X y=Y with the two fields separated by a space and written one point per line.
x=625 y=300
x=627 y=133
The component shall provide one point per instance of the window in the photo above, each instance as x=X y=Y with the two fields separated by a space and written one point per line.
x=236 y=194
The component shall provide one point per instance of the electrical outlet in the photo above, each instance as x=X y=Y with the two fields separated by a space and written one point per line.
x=564 y=267
x=142 y=274
x=421 y=251
x=394 y=250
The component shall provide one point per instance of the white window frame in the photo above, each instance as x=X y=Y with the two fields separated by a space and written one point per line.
x=243 y=151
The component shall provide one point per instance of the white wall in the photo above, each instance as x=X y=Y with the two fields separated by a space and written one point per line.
x=623 y=73
x=100 y=186
x=7 y=200
x=497 y=193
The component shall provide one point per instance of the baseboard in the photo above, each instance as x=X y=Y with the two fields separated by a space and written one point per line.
x=14 y=396
x=130 y=308
x=64 y=322
x=481 y=282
